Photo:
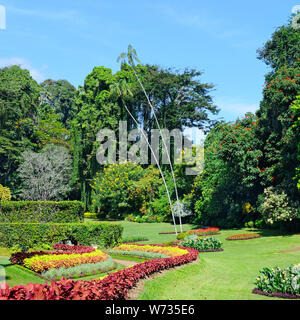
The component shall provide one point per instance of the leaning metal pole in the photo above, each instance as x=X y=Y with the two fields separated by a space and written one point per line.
x=163 y=140
x=158 y=165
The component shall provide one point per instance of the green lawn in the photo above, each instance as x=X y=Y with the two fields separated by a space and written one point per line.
x=218 y=275
x=149 y=230
x=225 y=275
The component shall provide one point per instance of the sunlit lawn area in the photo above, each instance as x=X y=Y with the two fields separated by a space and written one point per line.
x=218 y=275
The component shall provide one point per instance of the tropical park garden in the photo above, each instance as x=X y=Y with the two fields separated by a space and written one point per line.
x=75 y=228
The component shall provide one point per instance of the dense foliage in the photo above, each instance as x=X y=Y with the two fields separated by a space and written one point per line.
x=35 y=235
x=252 y=165
x=41 y=211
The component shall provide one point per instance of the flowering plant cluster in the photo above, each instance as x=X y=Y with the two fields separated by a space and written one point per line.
x=73 y=249
x=18 y=257
x=205 y=244
x=167 y=250
x=113 y=287
x=40 y=263
x=205 y=232
x=279 y=281
x=244 y=236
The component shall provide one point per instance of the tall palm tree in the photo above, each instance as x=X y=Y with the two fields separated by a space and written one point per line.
x=131 y=56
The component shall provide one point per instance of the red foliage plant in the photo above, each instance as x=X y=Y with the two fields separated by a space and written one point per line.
x=114 y=287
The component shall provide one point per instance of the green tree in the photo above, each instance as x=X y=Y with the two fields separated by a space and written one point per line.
x=283 y=48
x=19 y=104
x=58 y=97
x=95 y=109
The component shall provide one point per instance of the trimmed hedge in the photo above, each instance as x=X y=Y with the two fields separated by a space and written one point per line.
x=41 y=211
x=33 y=235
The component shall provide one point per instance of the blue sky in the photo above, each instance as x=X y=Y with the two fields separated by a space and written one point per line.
x=65 y=39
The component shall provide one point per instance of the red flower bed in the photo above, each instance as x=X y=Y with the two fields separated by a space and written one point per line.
x=205 y=232
x=114 y=287
x=244 y=236
x=18 y=258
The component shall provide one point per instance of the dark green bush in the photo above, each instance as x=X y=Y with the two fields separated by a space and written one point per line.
x=41 y=211
x=33 y=235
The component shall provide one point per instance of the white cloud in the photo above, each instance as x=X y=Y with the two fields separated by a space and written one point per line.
x=24 y=64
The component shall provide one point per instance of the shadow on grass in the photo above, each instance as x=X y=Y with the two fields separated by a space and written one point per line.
x=274 y=233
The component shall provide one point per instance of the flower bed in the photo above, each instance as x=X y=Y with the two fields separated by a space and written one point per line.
x=40 y=263
x=202 y=245
x=18 y=258
x=113 y=287
x=166 y=250
x=279 y=282
x=244 y=236
x=205 y=232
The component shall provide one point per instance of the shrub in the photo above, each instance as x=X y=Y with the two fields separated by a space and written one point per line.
x=124 y=188
x=41 y=211
x=249 y=224
x=145 y=218
x=5 y=194
x=181 y=235
x=205 y=244
x=90 y=215
x=30 y=235
x=279 y=280
x=276 y=206
x=244 y=236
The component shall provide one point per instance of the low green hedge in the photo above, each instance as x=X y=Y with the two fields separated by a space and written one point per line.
x=41 y=211
x=34 y=235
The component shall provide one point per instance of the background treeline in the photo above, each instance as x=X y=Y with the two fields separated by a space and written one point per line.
x=48 y=142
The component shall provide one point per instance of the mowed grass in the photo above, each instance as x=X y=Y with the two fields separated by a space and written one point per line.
x=227 y=275
x=149 y=230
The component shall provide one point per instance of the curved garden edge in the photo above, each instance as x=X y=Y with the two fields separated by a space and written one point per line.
x=135 y=291
x=276 y=294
